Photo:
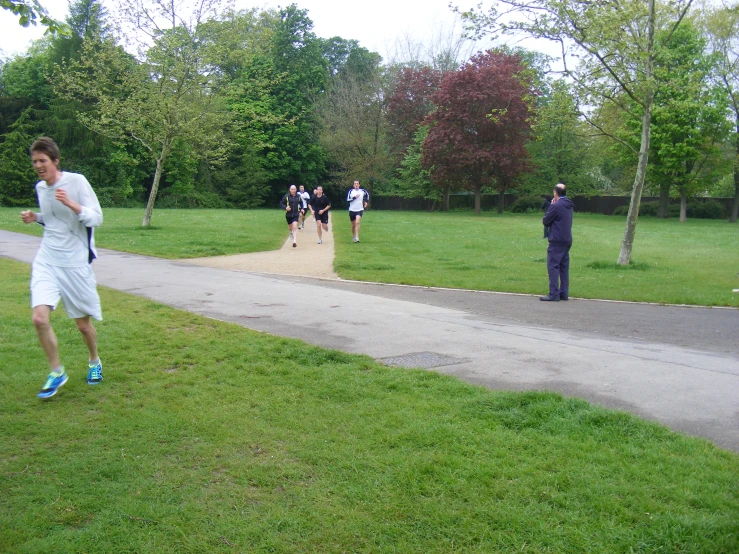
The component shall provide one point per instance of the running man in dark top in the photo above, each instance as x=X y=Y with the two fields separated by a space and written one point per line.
x=319 y=206
x=292 y=203
x=559 y=219
x=358 y=199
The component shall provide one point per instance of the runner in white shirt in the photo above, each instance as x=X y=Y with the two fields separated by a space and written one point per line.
x=69 y=210
x=358 y=199
x=305 y=198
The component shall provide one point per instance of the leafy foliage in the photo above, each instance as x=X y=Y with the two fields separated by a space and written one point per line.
x=477 y=136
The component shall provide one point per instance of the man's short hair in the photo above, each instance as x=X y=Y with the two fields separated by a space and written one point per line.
x=45 y=145
x=560 y=188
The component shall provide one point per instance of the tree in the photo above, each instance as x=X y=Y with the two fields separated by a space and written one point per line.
x=410 y=103
x=616 y=44
x=352 y=130
x=559 y=149
x=478 y=133
x=689 y=118
x=31 y=12
x=18 y=175
x=156 y=104
x=415 y=180
x=721 y=26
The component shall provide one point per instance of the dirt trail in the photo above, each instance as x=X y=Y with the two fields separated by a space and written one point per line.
x=308 y=259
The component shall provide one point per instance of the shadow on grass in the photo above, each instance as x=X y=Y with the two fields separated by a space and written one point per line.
x=636 y=266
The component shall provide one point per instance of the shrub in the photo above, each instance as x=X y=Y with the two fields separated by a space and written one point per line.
x=526 y=204
x=710 y=209
x=646 y=208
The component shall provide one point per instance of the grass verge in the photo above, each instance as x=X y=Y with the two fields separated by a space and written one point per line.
x=177 y=233
x=207 y=437
x=695 y=262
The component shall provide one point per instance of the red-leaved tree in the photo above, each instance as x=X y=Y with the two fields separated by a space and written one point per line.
x=409 y=104
x=478 y=132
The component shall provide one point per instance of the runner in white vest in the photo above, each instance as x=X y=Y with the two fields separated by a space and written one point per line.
x=358 y=199
x=69 y=211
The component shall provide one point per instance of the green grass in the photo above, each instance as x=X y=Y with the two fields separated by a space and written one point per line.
x=206 y=437
x=695 y=262
x=177 y=233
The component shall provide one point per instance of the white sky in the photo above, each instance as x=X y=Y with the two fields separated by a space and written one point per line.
x=375 y=24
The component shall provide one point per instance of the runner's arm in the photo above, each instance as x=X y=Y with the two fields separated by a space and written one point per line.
x=91 y=214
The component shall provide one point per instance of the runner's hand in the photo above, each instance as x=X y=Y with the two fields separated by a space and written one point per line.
x=28 y=216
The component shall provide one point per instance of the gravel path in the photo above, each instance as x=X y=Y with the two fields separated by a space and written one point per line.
x=308 y=259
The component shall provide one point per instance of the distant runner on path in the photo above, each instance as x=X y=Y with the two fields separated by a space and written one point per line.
x=69 y=211
x=358 y=199
x=305 y=196
x=319 y=207
x=292 y=203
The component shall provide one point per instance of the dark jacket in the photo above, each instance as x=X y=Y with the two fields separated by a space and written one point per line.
x=296 y=204
x=559 y=218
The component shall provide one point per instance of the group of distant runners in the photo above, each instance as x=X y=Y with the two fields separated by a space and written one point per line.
x=69 y=211
x=297 y=202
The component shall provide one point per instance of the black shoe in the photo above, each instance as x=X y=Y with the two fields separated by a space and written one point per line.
x=549 y=299
x=564 y=297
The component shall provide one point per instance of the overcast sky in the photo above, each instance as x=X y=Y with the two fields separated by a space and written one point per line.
x=376 y=24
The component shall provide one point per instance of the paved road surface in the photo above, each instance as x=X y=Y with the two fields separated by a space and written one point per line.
x=617 y=355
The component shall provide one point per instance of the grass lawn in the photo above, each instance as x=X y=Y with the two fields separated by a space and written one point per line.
x=207 y=437
x=695 y=262
x=177 y=233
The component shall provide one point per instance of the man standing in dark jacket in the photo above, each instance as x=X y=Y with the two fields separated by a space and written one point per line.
x=559 y=219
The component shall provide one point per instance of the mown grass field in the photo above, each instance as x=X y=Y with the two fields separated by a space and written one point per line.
x=207 y=437
x=696 y=262
x=177 y=233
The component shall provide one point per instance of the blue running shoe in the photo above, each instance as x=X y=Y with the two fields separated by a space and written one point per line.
x=52 y=385
x=95 y=375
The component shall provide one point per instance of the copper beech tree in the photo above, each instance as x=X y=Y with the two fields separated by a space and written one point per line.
x=477 y=135
x=409 y=103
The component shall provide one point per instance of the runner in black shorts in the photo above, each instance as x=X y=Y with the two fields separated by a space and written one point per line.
x=358 y=199
x=292 y=203
x=319 y=206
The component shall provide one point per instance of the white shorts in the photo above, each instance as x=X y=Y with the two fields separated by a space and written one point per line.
x=75 y=286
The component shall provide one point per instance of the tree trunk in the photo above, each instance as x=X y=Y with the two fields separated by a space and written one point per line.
x=501 y=201
x=447 y=190
x=624 y=256
x=478 y=198
x=683 y=204
x=735 y=205
x=154 y=190
x=664 y=201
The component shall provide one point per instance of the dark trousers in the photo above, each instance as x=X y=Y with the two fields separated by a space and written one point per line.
x=558 y=266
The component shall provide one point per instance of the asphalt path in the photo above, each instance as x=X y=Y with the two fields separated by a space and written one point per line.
x=675 y=365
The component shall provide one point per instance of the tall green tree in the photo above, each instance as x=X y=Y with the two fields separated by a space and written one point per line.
x=559 y=148
x=353 y=130
x=156 y=103
x=689 y=119
x=721 y=27
x=17 y=174
x=616 y=49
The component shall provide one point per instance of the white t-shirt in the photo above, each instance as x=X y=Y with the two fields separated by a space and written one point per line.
x=68 y=238
x=356 y=198
x=304 y=196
